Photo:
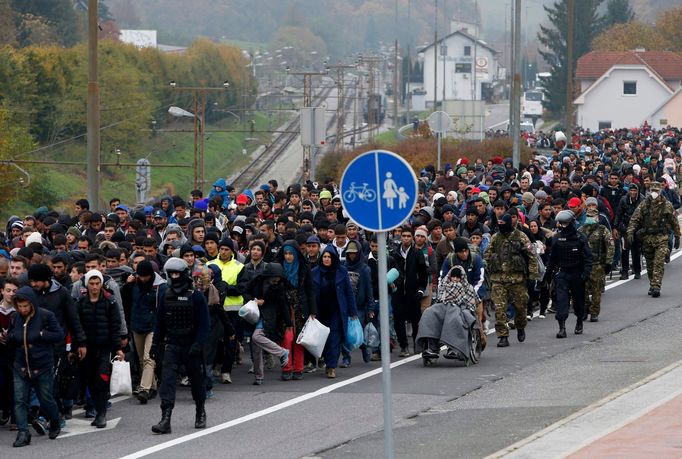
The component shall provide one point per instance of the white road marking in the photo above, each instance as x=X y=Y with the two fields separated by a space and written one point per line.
x=82 y=426
x=299 y=399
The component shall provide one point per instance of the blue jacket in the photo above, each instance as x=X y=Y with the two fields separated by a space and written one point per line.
x=344 y=290
x=222 y=183
x=361 y=279
x=34 y=355
x=475 y=271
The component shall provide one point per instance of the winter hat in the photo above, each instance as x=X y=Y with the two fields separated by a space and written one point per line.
x=242 y=199
x=528 y=197
x=93 y=273
x=559 y=136
x=145 y=268
x=421 y=231
x=591 y=200
x=39 y=272
x=460 y=244
x=34 y=237
x=75 y=232
x=226 y=242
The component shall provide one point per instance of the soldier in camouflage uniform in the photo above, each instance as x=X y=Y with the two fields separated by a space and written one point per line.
x=601 y=245
x=511 y=261
x=651 y=223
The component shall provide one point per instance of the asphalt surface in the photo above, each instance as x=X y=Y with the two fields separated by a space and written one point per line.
x=443 y=411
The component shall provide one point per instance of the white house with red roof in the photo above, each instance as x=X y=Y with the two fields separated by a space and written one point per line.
x=625 y=89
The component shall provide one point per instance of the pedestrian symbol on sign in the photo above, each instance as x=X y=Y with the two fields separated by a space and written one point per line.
x=378 y=190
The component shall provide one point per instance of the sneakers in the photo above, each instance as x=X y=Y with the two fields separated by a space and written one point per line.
x=209 y=394
x=345 y=362
x=226 y=378
x=40 y=425
x=23 y=439
x=404 y=352
x=90 y=413
x=624 y=276
x=298 y=376
x=638 y=276
x=429 y=354
x=331 y=373
x=366 y=354
x=310 y=368
x=542 y=316
x=594 y=318
x=579 y=328
x=551 y=310
x=320 y=363
x=251 y=369
x=184 y=381
x=258 y=382
x=376 y=357
x=286 y=376
x=55 y=430
x=284 y=359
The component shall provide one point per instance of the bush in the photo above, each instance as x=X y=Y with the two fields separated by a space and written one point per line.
x=420 y=152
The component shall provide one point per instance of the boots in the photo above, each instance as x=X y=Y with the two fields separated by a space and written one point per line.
x=164 y=425
x=521 y=335
x=562 y=329
x=100 y=420
x=200 y=418
x=503 y=341
x=579 y=327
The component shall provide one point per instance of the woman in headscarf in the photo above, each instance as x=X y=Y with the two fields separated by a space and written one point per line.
x=334 y=295
x=301 y=303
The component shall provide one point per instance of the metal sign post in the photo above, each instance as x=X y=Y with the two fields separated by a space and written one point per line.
x=379 y=191
x=440 y=123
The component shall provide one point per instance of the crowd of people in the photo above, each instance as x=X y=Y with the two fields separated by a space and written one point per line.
x=161 y=285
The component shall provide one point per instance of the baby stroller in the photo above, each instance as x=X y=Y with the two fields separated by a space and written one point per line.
x=452 y=322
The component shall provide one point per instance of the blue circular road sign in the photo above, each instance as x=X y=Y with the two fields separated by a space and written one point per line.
x=379 y=190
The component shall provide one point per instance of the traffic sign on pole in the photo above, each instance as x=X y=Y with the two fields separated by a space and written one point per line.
x=379 y=191
x=440 y=123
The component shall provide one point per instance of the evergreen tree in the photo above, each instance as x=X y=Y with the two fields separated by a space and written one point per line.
x=618 y=12
x=587 y=23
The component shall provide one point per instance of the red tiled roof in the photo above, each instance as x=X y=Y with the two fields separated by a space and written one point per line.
x=594 y=64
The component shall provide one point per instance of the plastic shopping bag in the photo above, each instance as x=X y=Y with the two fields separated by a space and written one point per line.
x=250 y=312
x=354 y=334
x=372 y=339
x=313 y=337
x=120 y=382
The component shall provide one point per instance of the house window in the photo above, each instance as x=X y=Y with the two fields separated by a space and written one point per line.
x=467 y=50
x=629 y=88
x=462 y=68
x=604 y=125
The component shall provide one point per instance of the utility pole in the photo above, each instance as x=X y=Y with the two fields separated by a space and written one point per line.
x=516 y=88
x=307 y=102
x=435 y=59
x=340 y=101
x=395 y=72
x=570 y=17
x=199 y=107
x=93 y=141
x=373 y=98
x=408 y=94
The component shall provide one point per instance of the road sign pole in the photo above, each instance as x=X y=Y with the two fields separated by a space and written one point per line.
x=385 y=346
x=438 y=134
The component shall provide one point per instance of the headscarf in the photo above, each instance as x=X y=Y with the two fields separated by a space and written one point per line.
x=460 y=293
x=291 y=269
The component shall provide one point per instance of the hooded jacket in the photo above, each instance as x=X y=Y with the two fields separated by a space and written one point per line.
x=34 y=344
x=172 y=228
x=141 y=303
x=222 y=183
x=195 y=223
x=345 y=299
x=57 y=300
x=274 y=312
x=360 y=278
x=306 y=296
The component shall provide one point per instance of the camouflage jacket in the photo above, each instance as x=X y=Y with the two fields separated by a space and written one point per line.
x=511 y=258
x=601 y=243
x=654 y=217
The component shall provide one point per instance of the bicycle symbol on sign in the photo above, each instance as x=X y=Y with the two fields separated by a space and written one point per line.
x=361 y=192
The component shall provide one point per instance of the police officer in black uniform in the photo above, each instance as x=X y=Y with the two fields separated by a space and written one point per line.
x=182 y=326
x=572 y=258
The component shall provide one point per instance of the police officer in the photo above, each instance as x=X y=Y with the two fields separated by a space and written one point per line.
x=511 y=262
x=182 y=326
x=651 y=224
x=602 y=248
x=572 y=257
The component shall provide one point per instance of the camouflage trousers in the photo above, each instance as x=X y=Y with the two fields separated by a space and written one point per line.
x=593 y=289
x=655 y=249
x=503 y=292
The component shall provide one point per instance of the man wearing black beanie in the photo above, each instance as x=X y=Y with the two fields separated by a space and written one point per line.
x=211 y=245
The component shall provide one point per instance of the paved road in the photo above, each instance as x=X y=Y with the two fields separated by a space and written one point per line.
x=442 y=411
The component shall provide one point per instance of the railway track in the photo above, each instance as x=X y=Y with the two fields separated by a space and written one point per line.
x=257 y=168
